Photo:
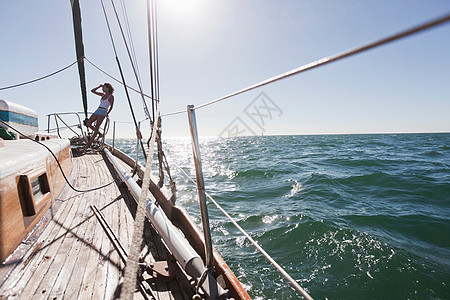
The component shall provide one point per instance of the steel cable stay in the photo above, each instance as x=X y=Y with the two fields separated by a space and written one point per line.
x=280 y=269
x=154 y=82
x=153 y=50
x=154 y=77
x=138 y=133
x=131 y=268
x=152 y=23
x=38 y=79
x=67 y=67
x=130 y=37
x=329 y=59
x=130 y=56
x=117 y=80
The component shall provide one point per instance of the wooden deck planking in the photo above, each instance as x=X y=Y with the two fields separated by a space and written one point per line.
x=101 y=260
x=72 y=261
x=77 y=285
x=20 y=275
x=34 y=261
x=87 y=267
x=72 y=257
x=93 y=288
x=94 y=267
x=114 y=268
x=58 y=244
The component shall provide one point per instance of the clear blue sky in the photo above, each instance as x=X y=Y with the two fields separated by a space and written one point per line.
x=211 y=48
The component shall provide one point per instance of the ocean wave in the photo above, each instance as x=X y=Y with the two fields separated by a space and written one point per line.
x=297 y=187
x=349 y=216
x=418 y=231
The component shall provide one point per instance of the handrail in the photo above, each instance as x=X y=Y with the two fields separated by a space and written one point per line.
x=58 y=115
x=280 y=269
x=67 y=126
x=329 y=59
x=79 y=125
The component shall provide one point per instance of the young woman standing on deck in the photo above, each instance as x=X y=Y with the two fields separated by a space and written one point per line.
x=105 y=107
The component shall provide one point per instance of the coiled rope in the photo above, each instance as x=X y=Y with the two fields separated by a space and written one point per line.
x=329 y=59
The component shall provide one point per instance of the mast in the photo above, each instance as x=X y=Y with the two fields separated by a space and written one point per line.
x=76 y=13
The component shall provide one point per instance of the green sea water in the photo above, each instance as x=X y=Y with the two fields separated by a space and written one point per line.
x=347 y=216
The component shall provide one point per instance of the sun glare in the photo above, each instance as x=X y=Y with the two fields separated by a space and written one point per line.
x=183 y=7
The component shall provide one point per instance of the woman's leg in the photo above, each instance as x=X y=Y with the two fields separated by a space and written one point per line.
x=96 y=129
x=91 y=120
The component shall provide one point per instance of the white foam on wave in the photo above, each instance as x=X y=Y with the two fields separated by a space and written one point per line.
x=296 y=188
x=270 y=219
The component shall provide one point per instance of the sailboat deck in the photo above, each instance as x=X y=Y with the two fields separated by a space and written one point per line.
x=69 y=255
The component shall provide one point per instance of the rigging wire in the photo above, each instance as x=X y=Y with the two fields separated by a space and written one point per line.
x=150 y=52
x=138 y=132
x=155 y=48
x=40 y=78
x=134 y=56
x=329 y=59
x=258 y=247
x=115 y=79
x=131 y=59
x=57 y=161
x=154 y=78
x=130 y=37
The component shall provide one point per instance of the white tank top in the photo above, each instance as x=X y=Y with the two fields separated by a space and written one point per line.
x=104 y=103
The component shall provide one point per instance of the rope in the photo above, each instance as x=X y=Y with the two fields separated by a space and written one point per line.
x=37 y=79
x=294 y=283
x=172 y=183
x=132 y=266
x=57 y=161
x=329 y=59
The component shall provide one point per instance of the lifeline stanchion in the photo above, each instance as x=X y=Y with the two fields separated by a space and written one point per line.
x=200 y=186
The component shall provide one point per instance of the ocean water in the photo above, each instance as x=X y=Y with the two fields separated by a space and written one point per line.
x=347 y=216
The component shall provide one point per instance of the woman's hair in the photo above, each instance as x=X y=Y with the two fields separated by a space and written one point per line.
x=109 y=87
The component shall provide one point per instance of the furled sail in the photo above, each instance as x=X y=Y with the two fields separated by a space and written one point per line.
x=76 y=13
